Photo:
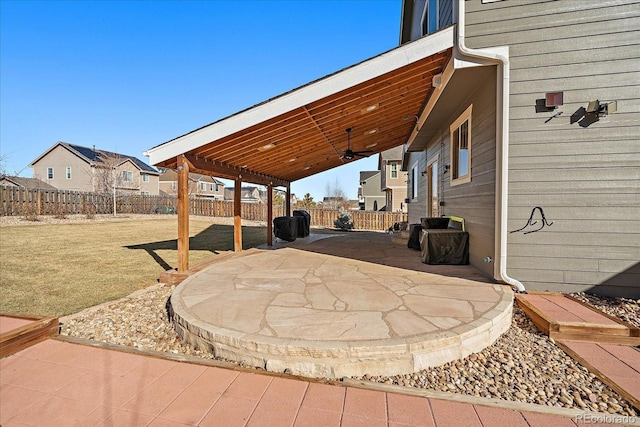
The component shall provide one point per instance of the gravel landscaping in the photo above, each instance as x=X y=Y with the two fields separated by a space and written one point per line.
x=523 y=365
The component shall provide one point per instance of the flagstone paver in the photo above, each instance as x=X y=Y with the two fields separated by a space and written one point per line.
x=341 y=306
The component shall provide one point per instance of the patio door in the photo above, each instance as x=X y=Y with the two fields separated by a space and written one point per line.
x=432 y=188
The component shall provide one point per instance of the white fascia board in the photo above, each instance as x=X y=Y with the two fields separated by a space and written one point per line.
x=334 y=83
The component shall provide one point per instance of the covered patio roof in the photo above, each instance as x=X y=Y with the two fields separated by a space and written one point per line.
x=302 y=132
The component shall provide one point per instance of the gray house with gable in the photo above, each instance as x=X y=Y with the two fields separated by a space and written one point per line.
x=533 y=136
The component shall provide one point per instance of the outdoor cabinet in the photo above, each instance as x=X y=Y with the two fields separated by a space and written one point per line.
x=444 y=241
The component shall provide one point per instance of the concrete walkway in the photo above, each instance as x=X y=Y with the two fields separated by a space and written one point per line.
x=57 y=383
x=340 y=306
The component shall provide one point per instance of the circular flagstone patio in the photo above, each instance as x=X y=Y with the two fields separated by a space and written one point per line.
x=342 y=306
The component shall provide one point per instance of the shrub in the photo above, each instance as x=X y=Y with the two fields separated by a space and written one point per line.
x=30 y=212
x=344 y=221
x=60 y=213
x=89 y=211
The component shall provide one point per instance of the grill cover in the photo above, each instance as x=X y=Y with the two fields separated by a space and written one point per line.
x=304 y=227
x=444 y=246
x=285 y=228
x=414 y=236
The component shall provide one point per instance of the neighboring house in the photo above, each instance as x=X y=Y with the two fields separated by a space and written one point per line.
x=393 y=180
x=249 y=194
x=370 y=195
x=533 y=136
x=72 y=167
x=202 y=186
x=30 y=183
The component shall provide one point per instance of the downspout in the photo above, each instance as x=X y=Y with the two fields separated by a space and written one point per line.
x=502 y=142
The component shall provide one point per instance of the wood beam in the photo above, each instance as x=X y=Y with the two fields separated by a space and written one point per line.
x=317 y=126
x=287 y=201
x=237 y=219
x=222 y=170
x=270 y=215
x=183 y=214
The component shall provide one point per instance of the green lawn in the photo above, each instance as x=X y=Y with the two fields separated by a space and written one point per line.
x=61 y=269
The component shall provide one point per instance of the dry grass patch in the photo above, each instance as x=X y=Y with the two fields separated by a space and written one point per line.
x=61 y=269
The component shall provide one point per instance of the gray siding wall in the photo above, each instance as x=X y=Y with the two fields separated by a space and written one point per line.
x=475 y=200
x=586 y=179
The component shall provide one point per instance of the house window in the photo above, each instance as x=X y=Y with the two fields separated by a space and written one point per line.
x=127 y=176
x=49 y=173
x=203 y=186
x=174 y=185
x=210 y=187
x=145 y=177
x=461 y=148
x=394 y=170
x=217 y=188
x=437 y=14
x=414 y=182
x=68 y=172
x=145 y=193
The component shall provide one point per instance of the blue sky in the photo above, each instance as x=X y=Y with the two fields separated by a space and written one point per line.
x=126 y=76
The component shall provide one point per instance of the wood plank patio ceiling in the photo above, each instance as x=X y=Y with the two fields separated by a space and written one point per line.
x=311 y=139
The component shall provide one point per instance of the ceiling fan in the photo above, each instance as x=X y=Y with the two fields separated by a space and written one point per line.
x=349 y=154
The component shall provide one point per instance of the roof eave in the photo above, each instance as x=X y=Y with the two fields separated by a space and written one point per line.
x=334 y=83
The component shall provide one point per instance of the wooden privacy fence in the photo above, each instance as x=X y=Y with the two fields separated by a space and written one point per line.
x=33 y=202
x=362 y=220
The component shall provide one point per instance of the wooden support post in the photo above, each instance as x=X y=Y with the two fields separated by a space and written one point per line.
x=287 y=201
x=183 y=214
x=237 y=212
x=270 y=215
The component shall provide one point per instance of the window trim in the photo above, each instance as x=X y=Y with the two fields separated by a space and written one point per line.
x=145 y=177
x=394 y=170
x=67 y=172
x=126 y=175
x=453 y=152
x=414 y=182
x=430 y=184
x=430 y=17
x=50 y=173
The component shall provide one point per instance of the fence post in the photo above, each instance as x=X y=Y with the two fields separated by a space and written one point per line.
x=39 y=197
